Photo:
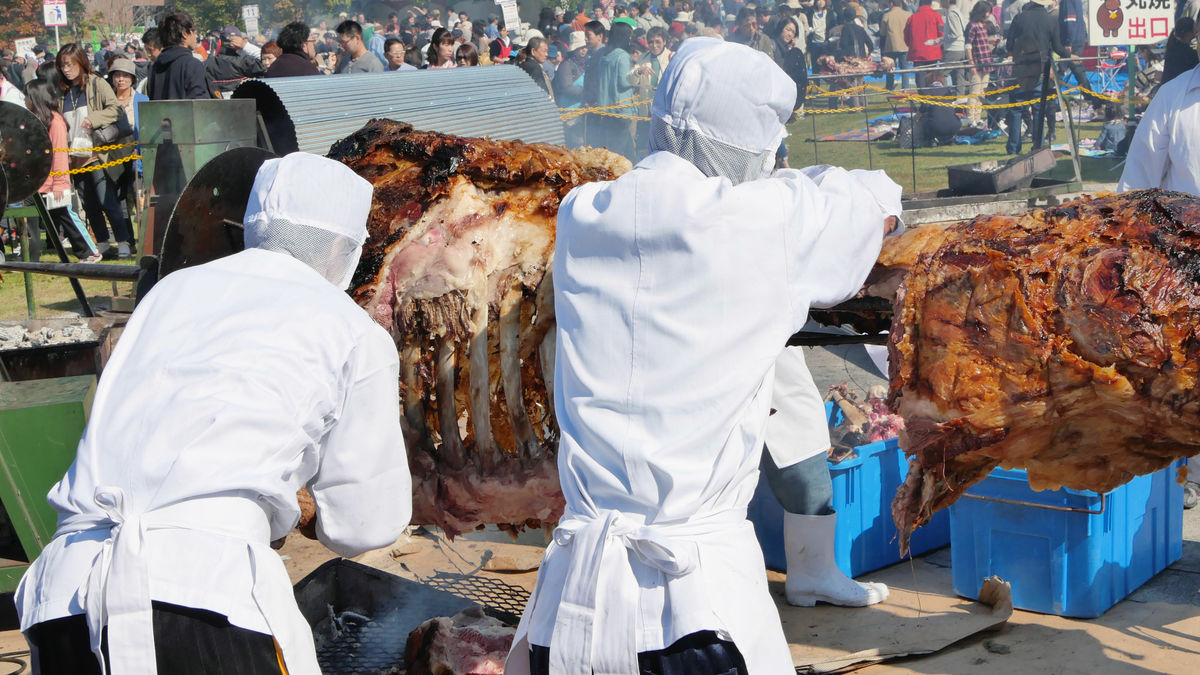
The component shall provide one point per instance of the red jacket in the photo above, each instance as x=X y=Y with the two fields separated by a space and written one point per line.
x=925 y=25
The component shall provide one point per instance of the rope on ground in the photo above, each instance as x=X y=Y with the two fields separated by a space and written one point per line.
x=821 y=93
x=860 y=90
x=837 y=92
x=570 y=113
x=813 y=111
x=1089 y=92
x=100 y=148
x=951 y=97
x=95 y=167
x=984 y=106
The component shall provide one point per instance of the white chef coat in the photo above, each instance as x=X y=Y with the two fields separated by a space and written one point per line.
x=1165 y=151
x=9 y=93
x=674 y=295
x=234 y=384
x=799 y=428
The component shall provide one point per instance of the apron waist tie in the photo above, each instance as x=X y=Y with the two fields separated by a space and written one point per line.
x=118 y=588
x=596 y=621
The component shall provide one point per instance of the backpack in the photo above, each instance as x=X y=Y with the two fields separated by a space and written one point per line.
x=912 y=132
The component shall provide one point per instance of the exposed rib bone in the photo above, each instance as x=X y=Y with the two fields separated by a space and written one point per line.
x=546 y=359
x=543 y=316
x=510 y=374
x=414 y=408
x=452 y=452
x=481 y=405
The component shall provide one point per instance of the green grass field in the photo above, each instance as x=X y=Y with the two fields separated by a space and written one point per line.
x=53 y=295
x=916 y=171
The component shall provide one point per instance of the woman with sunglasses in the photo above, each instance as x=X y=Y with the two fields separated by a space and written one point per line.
x=466 y=55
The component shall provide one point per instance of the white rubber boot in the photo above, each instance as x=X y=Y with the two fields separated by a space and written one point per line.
x=812 y=576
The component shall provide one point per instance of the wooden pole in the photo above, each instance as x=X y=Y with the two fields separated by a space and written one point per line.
x=30 y=302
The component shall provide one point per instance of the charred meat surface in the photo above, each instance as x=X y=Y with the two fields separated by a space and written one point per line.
x=1063 y=342
x=457 y=269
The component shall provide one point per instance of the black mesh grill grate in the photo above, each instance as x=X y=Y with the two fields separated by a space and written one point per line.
x=504 y=601
x=356 y=644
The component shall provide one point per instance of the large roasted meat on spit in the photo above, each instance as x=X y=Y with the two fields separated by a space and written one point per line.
x=457 y=269
x=1064 y=341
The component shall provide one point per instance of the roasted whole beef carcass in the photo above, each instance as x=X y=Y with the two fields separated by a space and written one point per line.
x=1065 y=342
x=457 y=269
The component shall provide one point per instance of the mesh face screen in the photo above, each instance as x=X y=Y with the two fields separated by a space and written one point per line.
x=712 y=157
x=332 y=255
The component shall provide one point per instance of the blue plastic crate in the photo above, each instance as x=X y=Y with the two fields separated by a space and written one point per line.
x=1070 y=563
x=863 y=487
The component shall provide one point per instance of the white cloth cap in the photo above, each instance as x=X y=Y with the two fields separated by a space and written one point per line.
x=722 y=107
x=313 y=209
x=727 y=92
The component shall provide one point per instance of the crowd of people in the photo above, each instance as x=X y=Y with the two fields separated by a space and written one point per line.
x=610 y=58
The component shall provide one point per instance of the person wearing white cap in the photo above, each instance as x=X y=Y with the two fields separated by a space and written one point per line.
x=235 y=383
x=677 y=286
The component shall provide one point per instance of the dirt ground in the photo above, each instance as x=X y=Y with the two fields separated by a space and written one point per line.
x=1154 y=630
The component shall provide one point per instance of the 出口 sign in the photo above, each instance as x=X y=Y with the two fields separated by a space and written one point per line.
x=1129 y=22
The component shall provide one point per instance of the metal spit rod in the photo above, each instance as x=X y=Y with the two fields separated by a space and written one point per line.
x=76 y=270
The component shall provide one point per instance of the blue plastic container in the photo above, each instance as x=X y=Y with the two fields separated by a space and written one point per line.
x=866 y=538
x=1070 y=563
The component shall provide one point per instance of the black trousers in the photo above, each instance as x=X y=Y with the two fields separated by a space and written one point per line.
x=701 y=653
x=187 y=642
x=99 y=195
x=66 y=228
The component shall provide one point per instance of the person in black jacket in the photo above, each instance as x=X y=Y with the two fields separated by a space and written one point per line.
x=1072 y=29
x=854 y=41
x=530 y=60
x=1179 y=57
x=227 y=68
x=788 y=38
x=176 y=74
x=1031 y=37
x=568 y=88
x=295 y=60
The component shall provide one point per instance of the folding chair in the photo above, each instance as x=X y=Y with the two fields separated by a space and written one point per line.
x=1107 y=70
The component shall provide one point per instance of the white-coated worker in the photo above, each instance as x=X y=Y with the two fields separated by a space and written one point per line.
x=234 y=384
x=1165 y=150
x=794 y=461
x=677 y=285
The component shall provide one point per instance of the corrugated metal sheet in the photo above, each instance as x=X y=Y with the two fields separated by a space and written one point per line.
x=311 y=113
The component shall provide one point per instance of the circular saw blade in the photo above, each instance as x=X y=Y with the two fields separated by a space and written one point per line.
x=205 y=224
x=25 y=151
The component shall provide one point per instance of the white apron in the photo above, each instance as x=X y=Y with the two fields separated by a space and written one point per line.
x=674 y=296
x=118 y=588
